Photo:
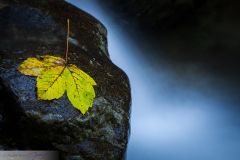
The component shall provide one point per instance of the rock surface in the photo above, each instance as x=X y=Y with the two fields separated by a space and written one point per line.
x=34 y=28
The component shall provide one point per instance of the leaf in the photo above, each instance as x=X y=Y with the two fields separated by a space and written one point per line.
x=33 y=66
x=55 y=76
x=51 y=83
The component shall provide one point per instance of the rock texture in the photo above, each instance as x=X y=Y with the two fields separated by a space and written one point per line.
x=33 y=28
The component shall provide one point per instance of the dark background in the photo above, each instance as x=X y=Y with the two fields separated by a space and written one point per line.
x=182 y=58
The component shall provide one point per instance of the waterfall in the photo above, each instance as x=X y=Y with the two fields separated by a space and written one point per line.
x=178 y=111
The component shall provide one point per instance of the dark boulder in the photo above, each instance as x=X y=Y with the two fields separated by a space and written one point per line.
x=34 y=28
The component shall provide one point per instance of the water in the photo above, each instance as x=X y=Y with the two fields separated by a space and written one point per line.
x=179 y=111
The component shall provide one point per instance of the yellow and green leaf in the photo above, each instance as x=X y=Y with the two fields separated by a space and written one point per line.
x=51 y=83
x=31 y=67
x=54 y=77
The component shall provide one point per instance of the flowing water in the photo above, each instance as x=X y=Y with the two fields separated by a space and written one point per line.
x=179 y=111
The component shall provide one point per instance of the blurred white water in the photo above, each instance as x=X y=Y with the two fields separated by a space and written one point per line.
x=176 y=115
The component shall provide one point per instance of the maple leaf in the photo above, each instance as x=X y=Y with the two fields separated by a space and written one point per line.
x=55 y=76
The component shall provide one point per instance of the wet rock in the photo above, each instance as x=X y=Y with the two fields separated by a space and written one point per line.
x=35 y=28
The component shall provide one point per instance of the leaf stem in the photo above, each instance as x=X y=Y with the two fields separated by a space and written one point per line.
x=66 y=53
